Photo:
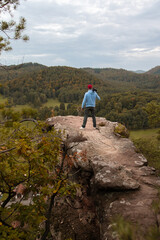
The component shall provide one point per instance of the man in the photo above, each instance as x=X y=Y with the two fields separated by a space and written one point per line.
x=89 y=102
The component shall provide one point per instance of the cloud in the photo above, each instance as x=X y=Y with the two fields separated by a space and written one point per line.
x=144 y=52
x=91 y=32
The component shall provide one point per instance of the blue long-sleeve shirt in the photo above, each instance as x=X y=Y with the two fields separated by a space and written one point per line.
x=89 y=99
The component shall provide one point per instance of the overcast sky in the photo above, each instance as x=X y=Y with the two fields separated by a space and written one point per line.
x=89 y=33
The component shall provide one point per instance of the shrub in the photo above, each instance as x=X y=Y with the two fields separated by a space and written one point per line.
x=121 y=131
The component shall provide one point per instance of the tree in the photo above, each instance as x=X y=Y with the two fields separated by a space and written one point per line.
x=62 y=106
x=36 y=161
x=153 y=110
x=10 y=29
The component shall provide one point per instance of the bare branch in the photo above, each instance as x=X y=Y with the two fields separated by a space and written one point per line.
x=11 y=194
x=5 y=4
x=5 y=224
x=6 y=34
x=14 y=210
x=5 y=180
x=29 y=120
x=7 y=150
x=49 y=213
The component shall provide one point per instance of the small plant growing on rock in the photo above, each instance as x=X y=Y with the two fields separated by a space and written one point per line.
x=123 y=229
x=121 y=131
x=76 y=139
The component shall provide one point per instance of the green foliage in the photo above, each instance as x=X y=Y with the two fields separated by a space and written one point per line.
x=145 y=133
x=41 y=86
x=45 y=112
x=7 y=233
x=29 y=112
x=155 y=70
x=9 y=115
x=2 y=99
x=36 y=86
x=33 y=164
x=73 y=109
x=127 y=80
x=62 y=106
x=127 y=108
x=153 y=110
x=121 y=130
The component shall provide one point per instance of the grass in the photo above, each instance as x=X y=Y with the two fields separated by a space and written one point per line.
x=52 y=103
x=20 y=107
x=2 y=99
x=144 y=133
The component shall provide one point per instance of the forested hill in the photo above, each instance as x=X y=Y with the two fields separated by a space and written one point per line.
x=37 y=85
x=155 y=71
x=126 y=78
x=126 y=97
x=13 y=71
x=33 y=83
x=27 y=67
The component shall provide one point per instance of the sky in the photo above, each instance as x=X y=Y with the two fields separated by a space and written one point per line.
x=89 y=33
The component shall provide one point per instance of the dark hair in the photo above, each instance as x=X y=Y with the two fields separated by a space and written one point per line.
x=94 y=90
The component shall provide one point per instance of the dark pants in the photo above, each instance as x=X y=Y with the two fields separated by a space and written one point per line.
x=87 y=110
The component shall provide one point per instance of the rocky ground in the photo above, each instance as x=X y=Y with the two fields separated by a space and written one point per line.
x=118 y=180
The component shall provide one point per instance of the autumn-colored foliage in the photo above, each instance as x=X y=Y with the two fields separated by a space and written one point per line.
x=34 y=166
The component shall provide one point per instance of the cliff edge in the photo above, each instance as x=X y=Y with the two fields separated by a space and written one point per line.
x=119 y=179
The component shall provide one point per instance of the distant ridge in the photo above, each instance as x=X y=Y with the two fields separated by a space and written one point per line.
x=154 y=71
x=23 y=68
x=139 y=71
x=32 y=82
x=28 y=66
x=123 y=79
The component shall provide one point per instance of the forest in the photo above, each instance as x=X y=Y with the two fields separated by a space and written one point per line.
x=126 y=96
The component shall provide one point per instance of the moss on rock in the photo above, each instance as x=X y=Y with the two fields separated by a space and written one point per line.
x=121 y=131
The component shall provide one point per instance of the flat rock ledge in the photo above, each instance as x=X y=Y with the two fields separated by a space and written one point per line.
x=108 y=175
x=122 y=182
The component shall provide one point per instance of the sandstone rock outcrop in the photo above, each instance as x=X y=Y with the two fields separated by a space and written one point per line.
x=120 y=181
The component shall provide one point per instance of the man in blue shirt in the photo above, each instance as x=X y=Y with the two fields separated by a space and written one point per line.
x=89 y=102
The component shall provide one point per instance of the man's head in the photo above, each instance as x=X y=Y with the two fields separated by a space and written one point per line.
x=89 y=86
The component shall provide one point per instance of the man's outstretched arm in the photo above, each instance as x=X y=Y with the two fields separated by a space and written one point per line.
x=97 y=96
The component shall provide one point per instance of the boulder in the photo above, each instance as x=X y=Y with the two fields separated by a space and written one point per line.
x=110 y=176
